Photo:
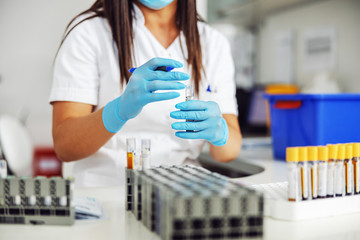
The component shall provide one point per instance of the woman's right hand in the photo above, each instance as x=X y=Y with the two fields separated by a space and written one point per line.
x=141 y=90
x=145 y=81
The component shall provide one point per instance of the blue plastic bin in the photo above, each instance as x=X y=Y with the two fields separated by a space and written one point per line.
x=313 y=119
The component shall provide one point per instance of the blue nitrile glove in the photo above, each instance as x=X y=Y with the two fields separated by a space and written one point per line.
x=141 y=90
x=209 y=123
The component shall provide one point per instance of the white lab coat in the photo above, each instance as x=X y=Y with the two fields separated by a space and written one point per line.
x=86 y=70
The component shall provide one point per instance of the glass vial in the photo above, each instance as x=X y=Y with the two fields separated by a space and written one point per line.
x=323 y=167
x=131 y=147
x=313 y=166
x=189 y=92
x=294 y=188
x=339 y=176
x=332 y=151
x=349 y=172
x=356 y=167
x=146 y=153
x=189 y=95
x=304 y=174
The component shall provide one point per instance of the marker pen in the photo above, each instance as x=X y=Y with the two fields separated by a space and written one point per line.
x=162 y=68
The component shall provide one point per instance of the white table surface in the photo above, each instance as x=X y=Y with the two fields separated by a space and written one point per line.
x=121 y=224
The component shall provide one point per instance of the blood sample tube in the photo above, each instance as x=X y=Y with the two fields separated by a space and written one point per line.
x=323 y=165
x=339 y=176
x=304 y=173
x=349 y=172
x=294 y=188
x=332 y=150
x=313 y=166
x=356 y=167
x=131 y=146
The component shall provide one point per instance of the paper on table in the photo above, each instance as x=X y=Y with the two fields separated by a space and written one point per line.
x=88 y=208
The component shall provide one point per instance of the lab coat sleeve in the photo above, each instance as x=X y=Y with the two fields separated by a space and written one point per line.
x=76 y=74
x=221 y=74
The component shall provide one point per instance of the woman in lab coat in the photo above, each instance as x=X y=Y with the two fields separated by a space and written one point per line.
x=98 y=103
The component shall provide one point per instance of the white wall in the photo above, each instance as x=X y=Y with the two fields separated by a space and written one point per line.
x=344 y=15
x=30 y=32
x=201 y=7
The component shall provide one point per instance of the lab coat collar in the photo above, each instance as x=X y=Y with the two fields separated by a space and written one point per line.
x=138 y=16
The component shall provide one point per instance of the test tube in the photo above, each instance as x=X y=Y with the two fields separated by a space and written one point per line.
x=189 y=95
x=339 y=176
x=3 y=169
x=304 y=173
x=189 y=92
x=356 y=167
x=323 y=165
x=145 y=153
x=349 y=173
x=332 y=150
x=137 y=161
x=294 y=188
x=313 y=166
x=131 y=146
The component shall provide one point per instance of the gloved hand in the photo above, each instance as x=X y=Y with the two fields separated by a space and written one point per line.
x=140 y=91
x=209 y=123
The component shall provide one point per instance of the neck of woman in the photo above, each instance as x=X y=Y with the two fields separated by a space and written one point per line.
x=161 y=23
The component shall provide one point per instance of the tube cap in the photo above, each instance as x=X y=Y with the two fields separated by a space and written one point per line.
x=323 y=153
x=341 y=152
x=292 y=154
x=312 y=153
x=303 y=154
x=356 y=149
x=349 y=151
x=332 y=150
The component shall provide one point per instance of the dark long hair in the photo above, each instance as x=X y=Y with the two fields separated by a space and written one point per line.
x=119 y=16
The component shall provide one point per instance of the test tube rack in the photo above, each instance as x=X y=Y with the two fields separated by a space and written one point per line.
x=40 y=200
x=188 y=202
x=278 y=207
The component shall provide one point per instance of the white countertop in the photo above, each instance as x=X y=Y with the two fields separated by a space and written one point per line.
x=121 y=224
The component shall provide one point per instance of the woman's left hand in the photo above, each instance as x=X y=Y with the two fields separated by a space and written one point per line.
x=207 y=122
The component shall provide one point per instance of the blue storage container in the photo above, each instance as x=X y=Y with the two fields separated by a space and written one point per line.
x=313 y=119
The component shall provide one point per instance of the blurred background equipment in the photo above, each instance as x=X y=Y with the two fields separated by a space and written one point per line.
x=46 y=163
x=16 y=146
x=22 y=159
x=295 y=43
x=313 y=119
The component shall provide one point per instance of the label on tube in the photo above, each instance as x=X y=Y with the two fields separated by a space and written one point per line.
x=349 y=177
x=293 y=178
x=356 y=176
x=305 y=181
x=314 y=180
x=338 y=178
x=330 y=179
x=322 y=179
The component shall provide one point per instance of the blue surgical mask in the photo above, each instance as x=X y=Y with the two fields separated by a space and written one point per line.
x=156 y=4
